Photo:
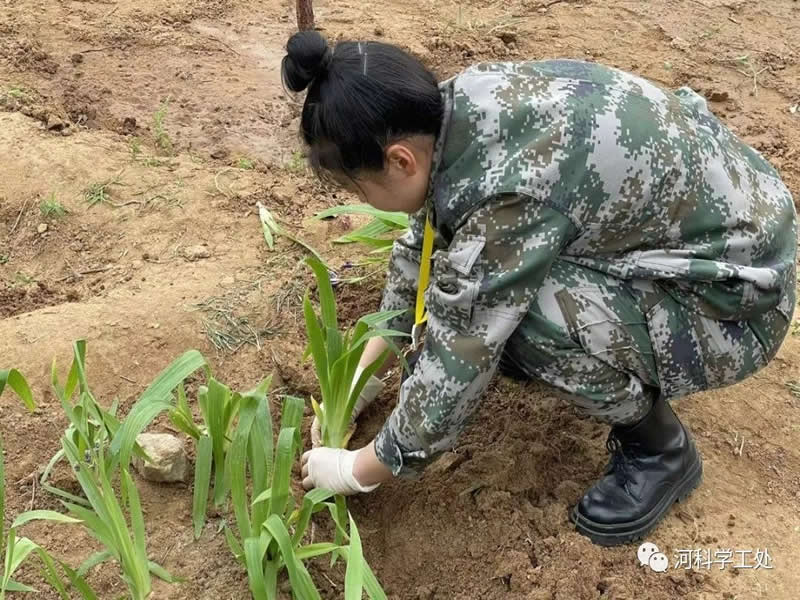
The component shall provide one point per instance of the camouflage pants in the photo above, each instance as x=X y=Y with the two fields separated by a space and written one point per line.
x=613 y=346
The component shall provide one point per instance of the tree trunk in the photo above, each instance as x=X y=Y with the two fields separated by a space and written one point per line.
x=305 y=15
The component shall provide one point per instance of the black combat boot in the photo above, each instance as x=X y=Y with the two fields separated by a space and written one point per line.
x=653 y=463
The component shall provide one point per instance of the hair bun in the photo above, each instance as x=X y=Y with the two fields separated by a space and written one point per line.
x=307 y=56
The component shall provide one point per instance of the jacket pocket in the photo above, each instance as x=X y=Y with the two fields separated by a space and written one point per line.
x=455 y=282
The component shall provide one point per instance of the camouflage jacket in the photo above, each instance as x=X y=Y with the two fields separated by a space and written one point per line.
x=577 y=161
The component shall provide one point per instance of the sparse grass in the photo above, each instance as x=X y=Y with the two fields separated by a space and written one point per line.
x=50 y=207
x=245 y=163
x=3 y=259
x=97 y=193
x=18 y=93
x=161 y=137
x=21 y=278
x=135 y=146
x=794 y=388
x=796 y=328
x=296 y=163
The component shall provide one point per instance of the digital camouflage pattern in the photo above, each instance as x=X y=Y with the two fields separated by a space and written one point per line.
x=593 y=230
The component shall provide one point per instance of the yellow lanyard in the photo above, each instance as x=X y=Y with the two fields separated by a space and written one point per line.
x=424 y=277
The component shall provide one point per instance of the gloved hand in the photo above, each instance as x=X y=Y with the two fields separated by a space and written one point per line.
x=368 y=394
x=332 y=469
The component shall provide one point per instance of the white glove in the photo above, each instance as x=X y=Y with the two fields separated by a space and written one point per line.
x=368 y=394
x=332 y=469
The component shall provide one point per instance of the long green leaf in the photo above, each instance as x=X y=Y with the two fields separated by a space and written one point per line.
x=218 y=396
x=158 y=393
x=354 y=575
x=42 y=515
x=16 y=586
x=87 y=593
x=397 y=218
x=233 y=544
x=164 y=575
x=310 y=501
x=371 y=230
x=136 y=517
x=202 y=480
x=327 y=301
x=141 y=415
x=51 y=575
x=236 y=467
x=316 y=341
x=300 y=580
x=260 y=456
x=15 y=380
x=95 y=559
x=314 y=550
x=284 y=457
x=255 y=571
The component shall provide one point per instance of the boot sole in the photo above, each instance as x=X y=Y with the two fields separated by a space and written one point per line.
x=604 y=534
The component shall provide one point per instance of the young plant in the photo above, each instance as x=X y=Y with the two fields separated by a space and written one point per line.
x=15 y=550
x=160 y=135
x=92 y=427
x=336 y=356
x=219 y=407
x=374 y=233
x=271 y=527
x=50 y=207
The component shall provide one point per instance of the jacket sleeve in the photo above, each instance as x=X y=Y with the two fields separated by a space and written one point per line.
x=481 y=287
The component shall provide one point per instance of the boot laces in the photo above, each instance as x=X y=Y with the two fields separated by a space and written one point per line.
x=620 y=462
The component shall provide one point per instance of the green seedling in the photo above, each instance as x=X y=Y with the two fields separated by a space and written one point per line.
x=271 y=229
x=50 y=207
x=271 y=527
x=336 y=355
x=245 y=163
x=91 y=427
x=16 y=550
x=373 y=233
x=160 y=135
x=219 y=407
x=97 y=193
x=296 y=163
x=105 y=519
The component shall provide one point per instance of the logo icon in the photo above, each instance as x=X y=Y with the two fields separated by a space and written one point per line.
x=649 y=555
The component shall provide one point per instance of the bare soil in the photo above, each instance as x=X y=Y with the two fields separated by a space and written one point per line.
x=80 y=83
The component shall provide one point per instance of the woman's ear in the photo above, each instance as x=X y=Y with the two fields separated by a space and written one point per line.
x=401 y=157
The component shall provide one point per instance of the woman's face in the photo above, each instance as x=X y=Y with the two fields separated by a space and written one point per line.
x=403 y=184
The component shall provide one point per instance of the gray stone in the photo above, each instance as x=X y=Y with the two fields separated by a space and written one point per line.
x=168 y=461
x=196 y=252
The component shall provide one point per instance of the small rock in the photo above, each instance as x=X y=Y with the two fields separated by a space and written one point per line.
x=219 y=153
x=507 y=36
x=196 y=252
x=379 y=31
x=542 y=11
x=129 y=125
x=228 y=281
x=76 y=58
x=167 y=458
x=42 y=227
x=718 y=96
x=55 y=123
x=426 y=592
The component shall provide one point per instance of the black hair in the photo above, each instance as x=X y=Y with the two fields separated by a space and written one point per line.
x=361 y=97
